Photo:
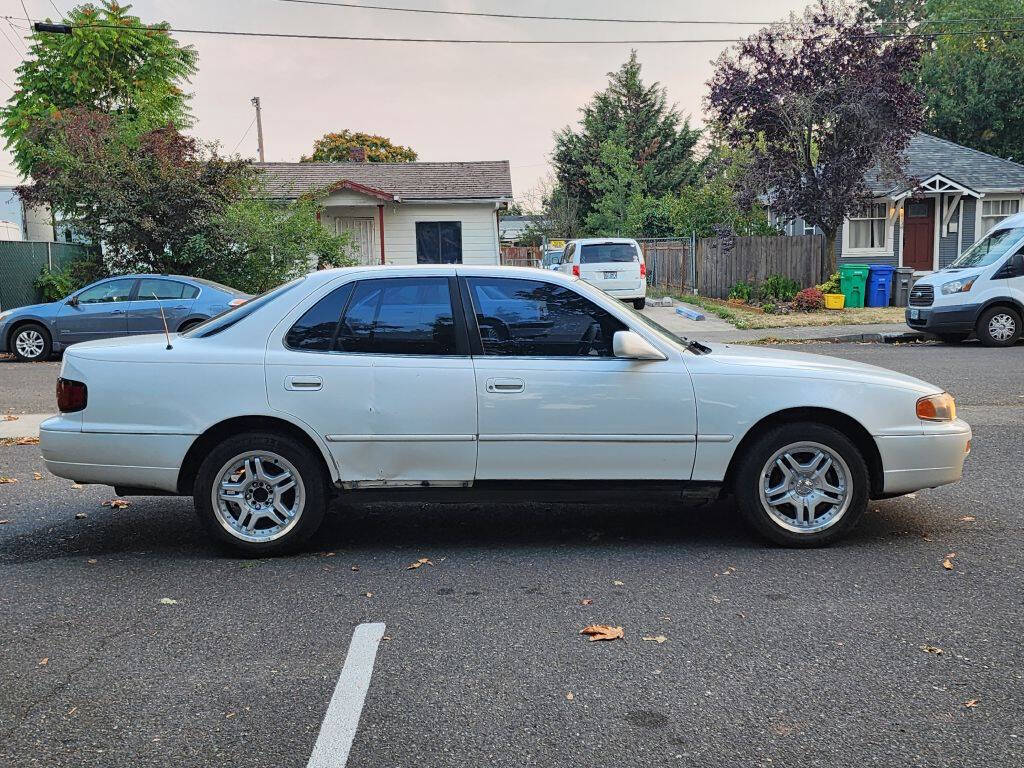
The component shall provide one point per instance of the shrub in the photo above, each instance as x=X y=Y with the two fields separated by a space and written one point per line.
x=54 y=284
x=741 y=292
x=778 y=288
x=809 y=300
x=769 y=308
x=831 y=285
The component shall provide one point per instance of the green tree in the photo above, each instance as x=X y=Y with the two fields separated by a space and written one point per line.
x=334 y=147
x=111 y=62
x=618 y=186
x=658 y=140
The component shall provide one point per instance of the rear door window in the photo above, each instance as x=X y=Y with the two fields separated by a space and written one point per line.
x=607 y=253
x=399 y=316
x=315 y=331
x=151 y=289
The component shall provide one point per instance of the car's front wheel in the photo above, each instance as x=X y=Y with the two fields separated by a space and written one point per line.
x=261 y=493
x=999 y=327
x=802 y=485
x=31 y=342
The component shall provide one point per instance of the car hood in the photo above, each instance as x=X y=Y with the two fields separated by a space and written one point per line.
x=765 y=361
x=936 y=279
x=48 y=309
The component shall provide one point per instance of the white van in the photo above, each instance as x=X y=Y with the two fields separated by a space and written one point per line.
x=613 y=264
x=980 y=293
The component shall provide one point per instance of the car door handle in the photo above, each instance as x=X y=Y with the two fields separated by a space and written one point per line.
x=303 y=383
x=505 y=386
x=117 y=311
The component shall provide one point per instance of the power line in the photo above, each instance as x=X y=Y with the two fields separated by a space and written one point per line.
x=252 y=122
x=19 y=51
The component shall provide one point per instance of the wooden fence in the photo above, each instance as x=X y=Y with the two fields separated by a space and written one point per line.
x=723 y=262
x=516 y=256
x=668 y=264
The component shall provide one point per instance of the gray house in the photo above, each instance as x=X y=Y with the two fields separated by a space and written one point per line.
x=956 y=196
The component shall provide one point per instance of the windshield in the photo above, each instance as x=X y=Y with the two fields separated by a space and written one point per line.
x=604 y=253
x=990 y=249
x=232 y=315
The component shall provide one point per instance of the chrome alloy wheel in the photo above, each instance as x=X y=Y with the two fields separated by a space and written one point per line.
x=29 y=343
x=1002 y=326
x=258 y=496
x=805 y=487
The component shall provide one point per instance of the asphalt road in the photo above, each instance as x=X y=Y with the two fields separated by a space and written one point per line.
x=772 y=657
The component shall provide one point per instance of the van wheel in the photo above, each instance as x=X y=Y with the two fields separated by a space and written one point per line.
x=802 y=485
x=31 y=343
x=999 y=327
x=261 y=493
x=639 y=303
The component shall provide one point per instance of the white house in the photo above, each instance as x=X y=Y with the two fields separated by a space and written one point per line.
x=404 y=213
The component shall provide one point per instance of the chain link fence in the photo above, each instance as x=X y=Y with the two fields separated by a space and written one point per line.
x=21 y=263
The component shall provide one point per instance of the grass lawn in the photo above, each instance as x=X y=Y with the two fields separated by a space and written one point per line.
x=748 y=317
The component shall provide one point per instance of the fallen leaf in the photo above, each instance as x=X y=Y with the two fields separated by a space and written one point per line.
x=27 y=441
x=76 y=487
x=659 y=639
x=5 y=521
x=80 y=516
x=328 y=554
x=92 y=561
x=911 y=495
x=947 y=564
x=43 y=661
x=602 y=632
x=972 y=703
x=368 y=594
x=116 y=503
x=968 y=519
x=931 y=649
x=6 y=480
x=386 y=637
x=229 y=715
x=72 y=711
x=354 y=568
x=418 y=564
x=586 y=601
x=618 y=583
x=10 y=417
x=37 y=475
x=168 y=601
x=569 y=696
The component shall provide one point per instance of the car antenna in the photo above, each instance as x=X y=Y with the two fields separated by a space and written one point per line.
x=164 y=318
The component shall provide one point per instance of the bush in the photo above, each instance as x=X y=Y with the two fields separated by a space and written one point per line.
x=809 y=300
x=831 y=285
x=54 y=284
x=769 y=308
x=741 y=292
x=778 y=288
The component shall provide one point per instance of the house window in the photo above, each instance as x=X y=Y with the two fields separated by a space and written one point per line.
x=438 y=242
x=867 y=226
x=994 y=211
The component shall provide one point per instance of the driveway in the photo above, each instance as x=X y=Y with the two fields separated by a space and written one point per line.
x=127 y=640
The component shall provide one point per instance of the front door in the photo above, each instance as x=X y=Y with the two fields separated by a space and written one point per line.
x=360 y=232
x=381 y=369
x=99 y=312
x=556 y=404
x=919 y=234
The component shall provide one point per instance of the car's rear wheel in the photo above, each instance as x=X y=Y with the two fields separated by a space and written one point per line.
x=188 y=325
x=999 y=327
x=31 y=342
x=802 y=484
x=953 y=338
x=639 y=303
x=261 y=493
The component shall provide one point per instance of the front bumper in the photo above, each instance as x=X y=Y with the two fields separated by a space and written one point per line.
x=933 y=458
x=938 y=319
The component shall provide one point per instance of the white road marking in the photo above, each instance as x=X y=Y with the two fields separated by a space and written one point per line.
x=342 y=719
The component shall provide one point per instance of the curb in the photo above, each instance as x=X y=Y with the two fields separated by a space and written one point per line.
x=875 y=338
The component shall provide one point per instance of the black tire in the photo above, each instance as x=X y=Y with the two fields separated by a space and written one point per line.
x=188 y=324
x=952 y=338
x=314 y=481
x=747 y=484
x=1004 y=322
x=639 y=303
x=31 y=332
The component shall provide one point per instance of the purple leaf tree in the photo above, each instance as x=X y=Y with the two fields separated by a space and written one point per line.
x=817 y=101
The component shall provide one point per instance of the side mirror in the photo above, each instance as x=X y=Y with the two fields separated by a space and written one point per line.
x=73 y=301
x=632 y=346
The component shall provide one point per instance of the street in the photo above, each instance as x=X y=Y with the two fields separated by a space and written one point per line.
x=127 y=639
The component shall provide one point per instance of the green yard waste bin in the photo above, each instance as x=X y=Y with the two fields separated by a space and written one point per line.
x=852 y=281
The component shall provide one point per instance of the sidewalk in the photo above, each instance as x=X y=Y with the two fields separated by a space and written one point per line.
x=26 y=425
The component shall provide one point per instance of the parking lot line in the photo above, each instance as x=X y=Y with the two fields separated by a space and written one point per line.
x=342 y=719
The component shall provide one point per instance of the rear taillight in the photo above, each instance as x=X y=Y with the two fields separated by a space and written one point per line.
x=237 y=302
x=643 y=269
x=71 y=395
x=575 y=270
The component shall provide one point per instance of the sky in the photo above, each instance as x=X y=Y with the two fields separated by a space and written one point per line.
x=448 y=102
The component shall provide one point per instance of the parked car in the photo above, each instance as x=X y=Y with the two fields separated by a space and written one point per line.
x=127 y=305
x=551 y=258
x=450 y=382
x=613 y=264
x=981 y=293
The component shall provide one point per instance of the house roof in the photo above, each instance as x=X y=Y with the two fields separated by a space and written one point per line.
x=482 y=180
x=927 y=156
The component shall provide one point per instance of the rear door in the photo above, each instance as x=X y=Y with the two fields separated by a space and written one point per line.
x=101 y=312
x=154 y=294
x=611 y=266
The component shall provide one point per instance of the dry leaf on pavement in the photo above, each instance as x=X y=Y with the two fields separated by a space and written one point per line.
x=80 y=516
x=419 y=563
x=948 y=562
x=971 y=703
x=5 y=521
x=37 y=475
x=618 y=583
x=602 y=632
x=6 y=480
x=586 y=601
x=659 y=639
x=76 y=487
x=931 y=649
x=968 y=519
x=168 y=601
x=116 y=503
x=10 y=417
x=44 y=661
x=27 y=441
x=569 y=696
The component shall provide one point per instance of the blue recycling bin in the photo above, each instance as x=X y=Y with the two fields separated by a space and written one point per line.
x=880 y=285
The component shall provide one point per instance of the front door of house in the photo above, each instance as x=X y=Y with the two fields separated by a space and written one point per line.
x=919 y=234
x=360 y=232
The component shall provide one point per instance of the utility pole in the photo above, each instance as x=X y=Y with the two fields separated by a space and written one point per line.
x=259 y=124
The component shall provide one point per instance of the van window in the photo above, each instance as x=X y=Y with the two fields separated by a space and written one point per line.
x=607 y=253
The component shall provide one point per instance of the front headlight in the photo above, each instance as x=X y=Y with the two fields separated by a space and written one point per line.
x=958 y=286
x=939 y=407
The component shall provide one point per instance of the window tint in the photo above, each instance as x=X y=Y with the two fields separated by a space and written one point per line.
x=399 y=316
x=528 y=317
x=109 y=292
x=439 y=242
x=151 y=289
x=604 y=253
x=314 y=331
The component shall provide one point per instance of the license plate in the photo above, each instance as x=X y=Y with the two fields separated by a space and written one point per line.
x=610 y=275
x=915 y=314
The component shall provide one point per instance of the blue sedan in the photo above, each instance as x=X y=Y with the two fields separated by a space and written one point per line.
x=127 y=305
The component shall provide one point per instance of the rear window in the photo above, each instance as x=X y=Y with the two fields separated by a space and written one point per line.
x=607 y=253
x=232 y=315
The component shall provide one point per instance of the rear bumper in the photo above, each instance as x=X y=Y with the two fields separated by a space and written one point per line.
x=638 y=292
x=138 y=461
x=912 y=462
x=955 y=319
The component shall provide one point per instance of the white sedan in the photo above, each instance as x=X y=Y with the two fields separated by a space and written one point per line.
x=451 y=381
